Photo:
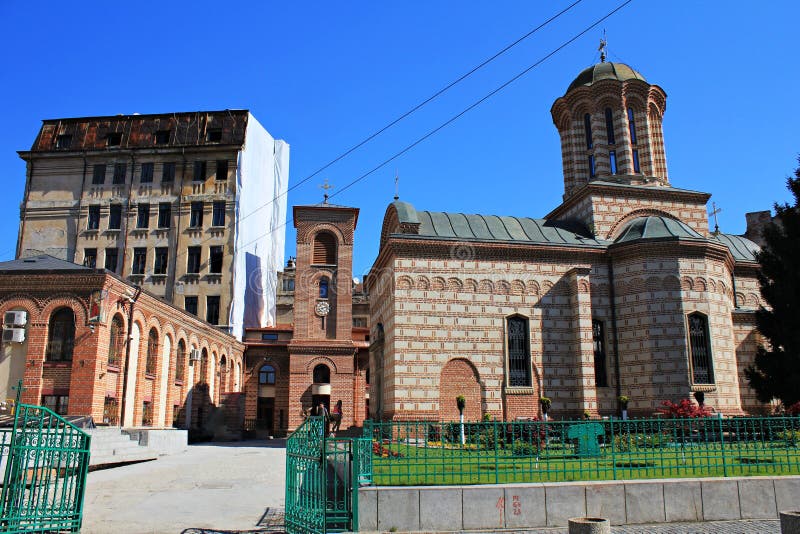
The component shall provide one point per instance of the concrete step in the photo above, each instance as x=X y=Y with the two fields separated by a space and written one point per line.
x=112 y=446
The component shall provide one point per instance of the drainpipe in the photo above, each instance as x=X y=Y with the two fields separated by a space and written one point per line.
x=614 y=337
x=128 y=355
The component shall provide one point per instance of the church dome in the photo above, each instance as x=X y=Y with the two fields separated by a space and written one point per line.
x=655 y=227
x=605 y=71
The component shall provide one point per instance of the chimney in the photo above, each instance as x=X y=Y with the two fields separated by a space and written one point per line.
x=756 y=221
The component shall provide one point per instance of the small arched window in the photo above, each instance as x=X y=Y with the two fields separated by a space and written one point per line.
x=152 y=352
x=322 y=374
x=116 y=341
x=266 y=375
x=700 y=347
x=61 y=336
x=180 y=360
x=324 y=249
x=323 y=288
x=610 y=126
x=587 y=127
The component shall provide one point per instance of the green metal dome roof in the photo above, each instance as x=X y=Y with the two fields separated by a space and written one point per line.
x=605 y=71
x=655 y=227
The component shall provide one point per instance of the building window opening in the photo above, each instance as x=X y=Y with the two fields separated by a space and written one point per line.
x=114 y=216
x=98 y=174
x=193 y=260
x=114 y=139
x=160 y=265
x=587 y=128
x=591 y=167
x=143 y=216
x=146 y=174
x=215 y=260
x=111 y=411
x=266 y=375
x=612 y=159
x=120 y=171
x=139 y=260
x=598 y=338
x=610 y=126
x=116 y=341
x=199 y=171
x=93 y=223
x=631 y=126
x=324 y=249
x=636 y=161
x=519 y=355
x=168 y=172
x=63 y=141
x=162 y=137
x=56 y=403
x=147 y=413
x=190 y=305
x=164 y=215
x=212 y=309
x=90 y=258
x=702 y=368
x=322 y=374
x=180 y=360
x=61 y=336
x=218 y=213
x=196 y=215
x=323 y=288
x=152 y=353
x=112 y=258
x=214 y=135
x=222 y=170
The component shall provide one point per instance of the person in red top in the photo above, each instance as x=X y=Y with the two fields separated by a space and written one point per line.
x=336 y=416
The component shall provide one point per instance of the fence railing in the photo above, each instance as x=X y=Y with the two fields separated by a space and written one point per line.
x=440 y=453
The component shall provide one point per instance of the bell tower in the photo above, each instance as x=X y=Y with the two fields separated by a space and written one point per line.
x=609 y=121
x=322 y=355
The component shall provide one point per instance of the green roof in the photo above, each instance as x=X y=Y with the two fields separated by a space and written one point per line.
x=497 y=228
x=742 y=248
x=42 y=262
x=656 y=227
x=605 y=71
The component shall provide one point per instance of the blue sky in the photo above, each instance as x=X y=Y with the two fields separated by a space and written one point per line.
x=324 y=75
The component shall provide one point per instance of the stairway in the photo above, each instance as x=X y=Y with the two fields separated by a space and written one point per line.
x=111 y=447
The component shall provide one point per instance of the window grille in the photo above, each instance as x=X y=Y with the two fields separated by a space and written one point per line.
x=519 y=356
x=702 y=368
x=324 y=249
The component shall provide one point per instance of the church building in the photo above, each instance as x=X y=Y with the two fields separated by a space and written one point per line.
x=621 y=290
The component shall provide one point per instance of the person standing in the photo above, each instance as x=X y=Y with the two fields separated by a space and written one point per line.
x=336 y=416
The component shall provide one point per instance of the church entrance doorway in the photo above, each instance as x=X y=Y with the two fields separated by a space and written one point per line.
x=265 y=413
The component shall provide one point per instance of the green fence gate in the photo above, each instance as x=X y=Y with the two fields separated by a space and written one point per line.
x=322 y=479
x=46 y=460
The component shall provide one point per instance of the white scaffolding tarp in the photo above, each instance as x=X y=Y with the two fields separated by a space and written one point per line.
x=262 y=180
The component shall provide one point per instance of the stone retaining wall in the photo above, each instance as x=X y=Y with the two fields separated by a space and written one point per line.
x=449 y=508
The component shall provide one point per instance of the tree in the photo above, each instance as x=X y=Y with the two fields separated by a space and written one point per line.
x=776 y=370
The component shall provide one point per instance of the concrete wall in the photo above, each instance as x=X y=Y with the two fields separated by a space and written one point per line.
x=449 y=508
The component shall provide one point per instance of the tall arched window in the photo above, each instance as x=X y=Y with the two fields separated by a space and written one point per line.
x=324 y=249
x=632 y=126
x=180 y=360
x=610 y=126
x=266 y=375
x=116 y=341
x=519 y=354
x=61 y=336
x=599 y=339
x=152 y=352
x=700 y=347
x=323 y=288
x=587 y=128
x=322 y=374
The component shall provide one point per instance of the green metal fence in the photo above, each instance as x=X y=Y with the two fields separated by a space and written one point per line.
x=45 y=461
x=434 y=453
x=323 y=475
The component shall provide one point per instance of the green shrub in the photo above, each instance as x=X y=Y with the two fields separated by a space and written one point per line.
x=791 y=437
x=521 y=448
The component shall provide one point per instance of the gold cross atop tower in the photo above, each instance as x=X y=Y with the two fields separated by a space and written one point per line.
x=603 y=47
x=325 y=187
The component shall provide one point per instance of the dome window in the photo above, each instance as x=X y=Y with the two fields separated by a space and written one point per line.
x=591 y=167
x=612 y=159
x=632 y=126
x=610 y=127
x=636 y=161
x=587 y=126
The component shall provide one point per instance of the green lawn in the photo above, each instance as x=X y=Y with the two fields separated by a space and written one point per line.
x=425 y=463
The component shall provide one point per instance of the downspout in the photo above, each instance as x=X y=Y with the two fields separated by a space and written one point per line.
x=614 y=337
x=124 y=219
x=128 y=354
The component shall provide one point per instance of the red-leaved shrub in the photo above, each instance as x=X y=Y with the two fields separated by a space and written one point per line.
x=683 y=409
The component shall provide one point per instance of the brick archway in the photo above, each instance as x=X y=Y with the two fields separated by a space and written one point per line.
x=459 y=377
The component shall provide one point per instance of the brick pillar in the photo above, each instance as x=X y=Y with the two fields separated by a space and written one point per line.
x=582 y=346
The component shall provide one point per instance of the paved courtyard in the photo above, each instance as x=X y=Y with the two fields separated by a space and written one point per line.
x=227 y=488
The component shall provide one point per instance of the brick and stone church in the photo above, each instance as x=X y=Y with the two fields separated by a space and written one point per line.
x=621 y=290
